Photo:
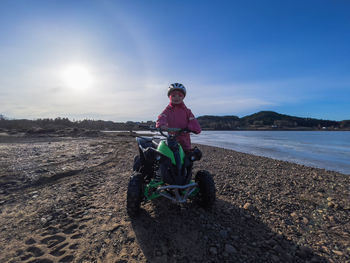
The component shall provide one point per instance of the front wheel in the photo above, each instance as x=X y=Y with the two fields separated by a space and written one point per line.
x=134 y=194
x=207 y=192
x=137 y=164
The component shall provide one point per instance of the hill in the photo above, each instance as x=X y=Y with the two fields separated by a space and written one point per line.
x=268 y=120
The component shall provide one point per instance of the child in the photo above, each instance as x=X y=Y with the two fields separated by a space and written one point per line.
x=177 y=115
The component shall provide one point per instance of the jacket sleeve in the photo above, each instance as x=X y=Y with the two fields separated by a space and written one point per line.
x=193 y=124
x=162 y=119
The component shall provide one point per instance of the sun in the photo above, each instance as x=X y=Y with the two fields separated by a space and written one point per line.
x=77 y=76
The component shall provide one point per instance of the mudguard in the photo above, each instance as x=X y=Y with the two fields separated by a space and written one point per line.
x=164 y=149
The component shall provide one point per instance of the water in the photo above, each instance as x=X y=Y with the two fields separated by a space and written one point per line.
x=322 y=149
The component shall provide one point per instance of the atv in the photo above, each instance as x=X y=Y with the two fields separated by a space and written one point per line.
x=162 y=169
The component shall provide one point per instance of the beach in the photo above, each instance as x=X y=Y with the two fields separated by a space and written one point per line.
x=63 y=199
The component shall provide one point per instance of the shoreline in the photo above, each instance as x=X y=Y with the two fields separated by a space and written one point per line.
x=289 y=162
x=266 y=210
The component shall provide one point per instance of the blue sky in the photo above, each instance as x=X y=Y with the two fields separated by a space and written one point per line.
x=114 y=60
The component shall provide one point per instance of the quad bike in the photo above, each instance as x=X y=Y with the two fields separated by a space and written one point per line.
x=162 y=169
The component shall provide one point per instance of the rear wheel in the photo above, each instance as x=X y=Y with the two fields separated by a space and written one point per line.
x=134 y=194
x=207 y=192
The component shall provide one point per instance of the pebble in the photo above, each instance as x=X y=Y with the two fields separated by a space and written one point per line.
x=294 y=215
x=230 y=249
x=325 y=249
x=43 y=220
x=247 y=206
x=337 y=252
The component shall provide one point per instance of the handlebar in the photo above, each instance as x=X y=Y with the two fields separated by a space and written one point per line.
x=172 y=130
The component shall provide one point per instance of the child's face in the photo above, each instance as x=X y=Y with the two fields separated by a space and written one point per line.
x=176 y=97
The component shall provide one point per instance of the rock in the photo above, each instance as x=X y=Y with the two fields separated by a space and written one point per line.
x=247 y=206
x=43 y=220
x=330 y=204
x=213 y=250
x=337 y=252
x=305 y=220
x=230 y=249
x=294 y=215
x=325 y=249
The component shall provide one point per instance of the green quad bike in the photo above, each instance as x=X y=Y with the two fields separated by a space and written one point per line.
x=163 y=170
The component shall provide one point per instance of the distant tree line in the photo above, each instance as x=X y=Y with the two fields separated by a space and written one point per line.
x=61 y=123
x=260 y=120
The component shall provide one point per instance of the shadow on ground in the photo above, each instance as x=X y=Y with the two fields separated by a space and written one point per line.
x=173 y=233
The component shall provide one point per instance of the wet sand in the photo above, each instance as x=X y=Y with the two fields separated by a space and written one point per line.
x=63 y=199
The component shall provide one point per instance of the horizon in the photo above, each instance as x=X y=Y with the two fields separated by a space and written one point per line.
x=240 y=117
x=111 y=60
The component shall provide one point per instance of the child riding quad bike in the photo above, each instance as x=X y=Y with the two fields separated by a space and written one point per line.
x=163 y=170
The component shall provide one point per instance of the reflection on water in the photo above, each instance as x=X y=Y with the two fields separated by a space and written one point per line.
x=323 y=149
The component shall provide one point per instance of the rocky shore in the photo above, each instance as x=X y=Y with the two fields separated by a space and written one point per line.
x=63 y=199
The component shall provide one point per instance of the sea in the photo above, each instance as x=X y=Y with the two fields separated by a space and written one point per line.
x=322 y=149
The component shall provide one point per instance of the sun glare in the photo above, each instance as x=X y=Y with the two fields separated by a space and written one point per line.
x=77 y=77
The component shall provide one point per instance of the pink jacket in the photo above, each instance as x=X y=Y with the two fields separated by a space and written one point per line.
x=179 y=116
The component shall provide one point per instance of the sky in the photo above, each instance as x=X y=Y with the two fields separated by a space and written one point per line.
x=114 y=60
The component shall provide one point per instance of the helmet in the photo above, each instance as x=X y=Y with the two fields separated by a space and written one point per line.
x=177 y=86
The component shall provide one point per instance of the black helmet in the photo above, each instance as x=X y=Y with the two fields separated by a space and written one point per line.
x=177 y=86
